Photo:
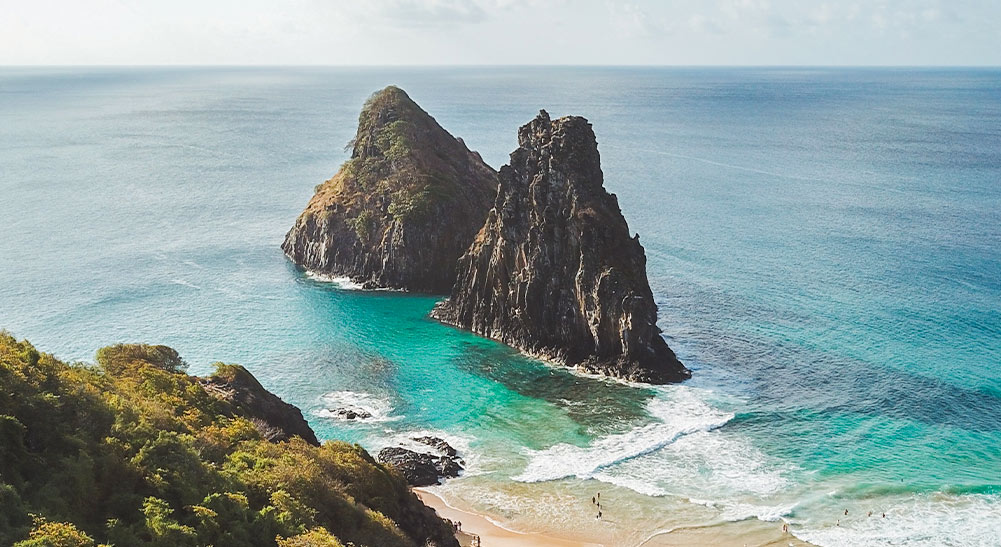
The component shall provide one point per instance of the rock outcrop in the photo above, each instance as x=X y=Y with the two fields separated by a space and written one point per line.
x=554 y=270
x=402 y=210
x=275 y=419
x=422 y=468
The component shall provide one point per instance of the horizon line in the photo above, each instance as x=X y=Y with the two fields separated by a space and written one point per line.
x=503 y=65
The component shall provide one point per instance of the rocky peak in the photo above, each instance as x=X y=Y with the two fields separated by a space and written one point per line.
x=554 y=270
x=404 y=207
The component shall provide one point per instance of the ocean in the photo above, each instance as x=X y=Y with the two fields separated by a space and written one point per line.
x=824 y=246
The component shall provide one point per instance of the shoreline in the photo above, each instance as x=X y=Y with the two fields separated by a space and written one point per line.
x=494 y=534
x=490 y=533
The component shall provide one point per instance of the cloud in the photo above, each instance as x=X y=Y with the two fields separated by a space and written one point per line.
x=423 y=14
x=400 y=32
x=630 y=19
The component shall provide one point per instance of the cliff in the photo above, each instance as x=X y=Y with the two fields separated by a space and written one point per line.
x=554 y=271
x=402 y=210
x=134 y=451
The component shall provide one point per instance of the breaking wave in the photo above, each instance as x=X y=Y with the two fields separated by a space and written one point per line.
x=373 y=408
x=682 y=413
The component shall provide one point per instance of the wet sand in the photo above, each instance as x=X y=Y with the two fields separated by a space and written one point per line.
x=739 y=534
x=491 y=535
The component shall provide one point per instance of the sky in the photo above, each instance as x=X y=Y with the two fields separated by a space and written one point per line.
x=500 y=32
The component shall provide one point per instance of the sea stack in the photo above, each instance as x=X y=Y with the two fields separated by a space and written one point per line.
x=402 y=210
x=554 y=270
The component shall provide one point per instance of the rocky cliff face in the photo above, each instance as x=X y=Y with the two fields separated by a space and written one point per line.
x=275 y=419
x=554 y=270
x=402 y=210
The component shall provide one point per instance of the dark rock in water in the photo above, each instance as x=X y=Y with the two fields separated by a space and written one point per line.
x=448 y=467
x=275 y=419
x=352 y=413
x=402 y=210
x=554 y=270
x=423 y=469
x=419 y=469
x=438 y=443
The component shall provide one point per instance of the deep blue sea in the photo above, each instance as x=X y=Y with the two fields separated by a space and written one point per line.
x=824 y=246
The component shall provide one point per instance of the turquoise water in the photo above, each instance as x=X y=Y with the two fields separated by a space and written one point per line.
x=824 y=245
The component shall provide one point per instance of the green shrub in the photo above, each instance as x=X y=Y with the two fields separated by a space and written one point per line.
x=364 y=225
x=411 y=204
x=136 y=452
x=55 y=534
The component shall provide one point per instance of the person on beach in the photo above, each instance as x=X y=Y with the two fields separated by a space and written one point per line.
x=599 y=515
x=870 y=514
x=846 y=512
x=592 y=500
x=785 y=528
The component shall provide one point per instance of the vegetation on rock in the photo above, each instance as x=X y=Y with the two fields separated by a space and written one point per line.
x=402 y=210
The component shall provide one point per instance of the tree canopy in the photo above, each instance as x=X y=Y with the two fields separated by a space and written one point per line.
x=133 y=451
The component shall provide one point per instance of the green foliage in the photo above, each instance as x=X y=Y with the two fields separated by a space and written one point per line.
x=317 y=537
x=136 y=452
x=118 y=358
x=410 y=203
x=364 y=225
x=55 y=534
x=395 y=140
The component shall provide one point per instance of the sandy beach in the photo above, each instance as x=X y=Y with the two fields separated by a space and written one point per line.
x=489 y=533
x=740 y=534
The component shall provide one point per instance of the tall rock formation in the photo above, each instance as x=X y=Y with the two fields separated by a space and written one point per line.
x=403 y=209
x=554 y=270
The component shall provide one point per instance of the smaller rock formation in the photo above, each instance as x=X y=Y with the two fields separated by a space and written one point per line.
x=422 y=468
x=440 y=444
x=351 y=414
x=554 y=271
x=275 y=419
x=419 y=469
x=402 y=210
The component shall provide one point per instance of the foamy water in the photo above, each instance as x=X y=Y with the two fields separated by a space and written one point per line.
x=379 y=409
x=342 y=282
x=924 y=520
x=680 y=412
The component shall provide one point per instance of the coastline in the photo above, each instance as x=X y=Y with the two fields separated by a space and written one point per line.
x=492 y=534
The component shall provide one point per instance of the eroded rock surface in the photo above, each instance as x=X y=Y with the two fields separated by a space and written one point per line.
x=423 y=468
x=554 y=270
x=402 y=210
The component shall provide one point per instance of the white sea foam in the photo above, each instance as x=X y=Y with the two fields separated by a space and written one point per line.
x=719 y=465
x=380 y=409
x=684 y=454
x=735 y=511
x=342 y=282
x=681 y=412
x=919 y=520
